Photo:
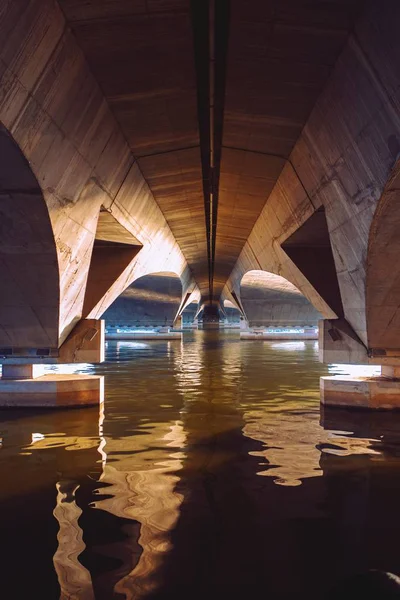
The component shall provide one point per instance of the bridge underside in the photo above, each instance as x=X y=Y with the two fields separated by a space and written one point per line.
x=207 y=140
x=211 y=100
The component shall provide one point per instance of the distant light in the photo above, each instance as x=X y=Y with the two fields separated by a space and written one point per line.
x=355 y=370
x=68 y=369
x=282 y=330
x=126 y=344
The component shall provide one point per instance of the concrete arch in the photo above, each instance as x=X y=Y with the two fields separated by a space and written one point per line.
x=29 y=272
x=151 y=300
x=273 y=259
x=383 y=270
x=269 y=299
x=56 y=112
x=162 y=274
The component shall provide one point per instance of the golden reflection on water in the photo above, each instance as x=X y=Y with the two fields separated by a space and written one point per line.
x=75 y=581
x=145 y=493
x=191 y=436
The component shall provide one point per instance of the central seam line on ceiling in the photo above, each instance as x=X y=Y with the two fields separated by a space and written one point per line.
x=210 y=20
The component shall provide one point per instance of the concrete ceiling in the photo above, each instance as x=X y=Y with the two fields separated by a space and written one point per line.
x=269 y=281
x=211 y=124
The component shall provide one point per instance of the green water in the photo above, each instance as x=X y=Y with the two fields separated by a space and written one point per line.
x=211 y=473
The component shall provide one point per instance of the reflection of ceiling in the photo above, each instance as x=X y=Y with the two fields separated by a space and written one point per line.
x=269 y=281
x=159 y=287
x=155 y=74
x=149 y=296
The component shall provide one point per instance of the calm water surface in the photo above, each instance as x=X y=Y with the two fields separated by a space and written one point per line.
x=210 y=474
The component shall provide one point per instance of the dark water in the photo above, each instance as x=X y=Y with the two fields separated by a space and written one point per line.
x=211 y=474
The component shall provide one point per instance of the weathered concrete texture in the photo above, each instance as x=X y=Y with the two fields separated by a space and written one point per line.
x=383 y=269
x=359 y=392
x=141 y=53
x=21 y=371
x=272 y=82
x=269 y=299
x=152 y=300
x=85 y=344
x=277 y=158
x=29 y=298
x=342 y=160
x=55 y=111
x=279 y=57
x=52 y=391
x=113 y=251
x=339 y=344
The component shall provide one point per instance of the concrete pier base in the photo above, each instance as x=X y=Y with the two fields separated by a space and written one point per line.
x=18 y=371
x=378 y=393
x=51 y=391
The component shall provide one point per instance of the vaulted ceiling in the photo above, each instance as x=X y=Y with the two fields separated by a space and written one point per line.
x=211 y=96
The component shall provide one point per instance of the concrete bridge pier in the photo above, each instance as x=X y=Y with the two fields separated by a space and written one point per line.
x=23 y=384
x=339 y=344
x=380 y=393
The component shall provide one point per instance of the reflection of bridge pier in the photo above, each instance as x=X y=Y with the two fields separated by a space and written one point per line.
x=45 y=461
x=128 y=533
x=75 y=581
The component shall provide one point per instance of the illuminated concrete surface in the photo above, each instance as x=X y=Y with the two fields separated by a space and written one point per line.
x=378 y=393
x=131 y=147
x=52 y=391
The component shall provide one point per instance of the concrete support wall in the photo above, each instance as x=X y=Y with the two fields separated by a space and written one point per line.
x=383 y=270
x=341 y=161
x=56 y=113
x=29 y=277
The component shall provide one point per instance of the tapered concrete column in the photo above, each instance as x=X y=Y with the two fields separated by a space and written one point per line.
x=178 y=322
